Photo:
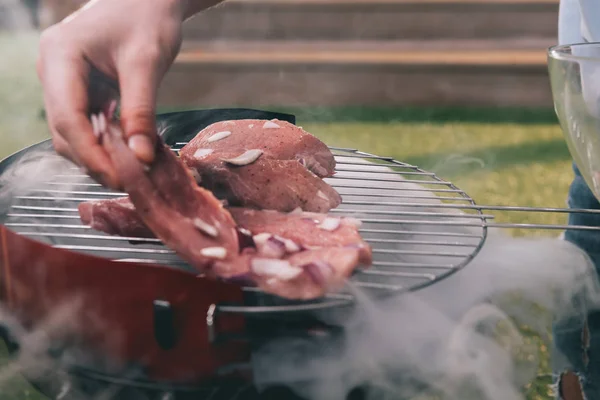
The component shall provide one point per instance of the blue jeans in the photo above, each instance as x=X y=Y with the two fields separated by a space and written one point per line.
x=577 y=336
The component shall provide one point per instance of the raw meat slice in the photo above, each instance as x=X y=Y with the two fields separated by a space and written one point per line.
x=309 y=230
x=271 y=185
x=305 y=275
x=273 y=233
x=114 y=216
x=187 y=218
x=277 y=139
x=263 y=164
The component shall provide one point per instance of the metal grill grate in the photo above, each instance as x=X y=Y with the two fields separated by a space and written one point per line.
x=421 y=227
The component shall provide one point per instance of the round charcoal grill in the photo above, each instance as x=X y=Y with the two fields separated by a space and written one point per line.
x=421 y=228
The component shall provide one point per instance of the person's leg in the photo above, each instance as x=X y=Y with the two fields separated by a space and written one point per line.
x=576 y=335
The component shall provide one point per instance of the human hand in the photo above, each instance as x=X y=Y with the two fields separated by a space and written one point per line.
x=108 y=50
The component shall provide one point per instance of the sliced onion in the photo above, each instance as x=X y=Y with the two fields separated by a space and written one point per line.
x=95 y=128
x=214 y=252
x=206 y=228
x=280 y=269
x=218 y=136
x=296 y=211
x=270 y=125
x=251 y=126
x=290 y=245
x=272 y=248
x=246 y=158
x=353 y=221
x=330 y=224
x=201 y=153
x=261 y=238
x=322 y=195
x=102 y=124
x=196 y=175
x=319 y=271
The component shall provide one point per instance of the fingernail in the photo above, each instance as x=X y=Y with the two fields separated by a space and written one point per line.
x=142 y=146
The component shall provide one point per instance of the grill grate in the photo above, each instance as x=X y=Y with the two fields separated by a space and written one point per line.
x=417 y=236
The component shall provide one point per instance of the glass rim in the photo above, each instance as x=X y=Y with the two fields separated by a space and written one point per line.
x=558 y=52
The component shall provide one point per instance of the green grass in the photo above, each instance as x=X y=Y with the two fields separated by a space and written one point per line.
x=499 y=157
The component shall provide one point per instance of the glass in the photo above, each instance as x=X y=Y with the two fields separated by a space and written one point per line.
x=575 y=81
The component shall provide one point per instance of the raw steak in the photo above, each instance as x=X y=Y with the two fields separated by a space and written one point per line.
x=187 y=218
x=309 y=230
x=305 y=275
x=274 y=234
x=263 y=164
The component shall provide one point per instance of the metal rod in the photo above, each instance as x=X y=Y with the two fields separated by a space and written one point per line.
x=402 y=196
x=380 y=286
x=401 y=189
x=420 y=242
x=398 y=274
x=97 y=193
x=412 y=265
x=115 y=249
x=38 y=208
x=87 y=184
x=51 y=198
x=400 y=173
x=53 y=226
x=421 y=253
x=421 y=233
x=542 y=226
x=43 y=216
x=475 y=207
x=423 y=222
x=405 y=181
x=93 y=237
x=413 y=213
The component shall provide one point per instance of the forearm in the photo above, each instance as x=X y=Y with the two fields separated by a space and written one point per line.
x=193 y=7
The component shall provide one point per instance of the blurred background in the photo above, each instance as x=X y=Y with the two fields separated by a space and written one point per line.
x=457 y=87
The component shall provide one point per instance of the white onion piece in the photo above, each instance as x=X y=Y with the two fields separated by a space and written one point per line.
x=353 y=221
x=270 y=125
x=201 y=153
x=196 y=175
x=330 y=224
x=218 y=136
x=205 y=227
x=280 y=269
x=102 y=125
x=261 y=238
x=290 y=245
x=214 y=252
x=251 y=126
x=272 y=248
x=296 y=211
x=246 y=158
x=322 y=195
x=95 y=127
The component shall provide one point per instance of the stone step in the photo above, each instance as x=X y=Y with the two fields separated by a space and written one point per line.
x=375 y=19
x=371 y=74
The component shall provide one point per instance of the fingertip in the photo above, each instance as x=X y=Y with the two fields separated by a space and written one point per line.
x=143 y=147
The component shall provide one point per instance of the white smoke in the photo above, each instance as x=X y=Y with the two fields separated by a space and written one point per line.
x=458 y=338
